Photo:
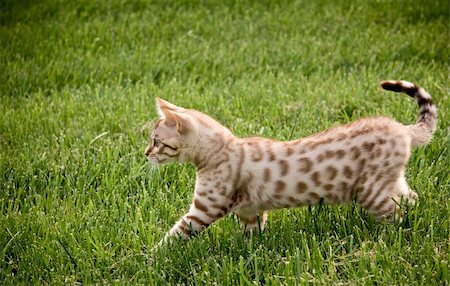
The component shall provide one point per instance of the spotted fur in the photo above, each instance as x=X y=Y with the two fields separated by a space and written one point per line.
x=363 y=161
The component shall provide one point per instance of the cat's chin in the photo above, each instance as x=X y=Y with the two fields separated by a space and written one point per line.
x=153 y=161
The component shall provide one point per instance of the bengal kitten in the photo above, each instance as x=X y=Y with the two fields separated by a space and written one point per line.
x=363 y=161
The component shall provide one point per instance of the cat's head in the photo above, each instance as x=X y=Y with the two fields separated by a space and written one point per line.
x=179 y=133
x=172 y=134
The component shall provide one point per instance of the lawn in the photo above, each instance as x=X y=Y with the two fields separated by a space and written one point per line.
x=78 y=79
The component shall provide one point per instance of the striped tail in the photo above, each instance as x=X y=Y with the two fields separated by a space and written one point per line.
x=423 y=130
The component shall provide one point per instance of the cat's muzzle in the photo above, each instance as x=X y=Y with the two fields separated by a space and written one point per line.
x=153 y=160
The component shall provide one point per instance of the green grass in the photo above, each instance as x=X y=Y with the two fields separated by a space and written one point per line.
x=78 y=79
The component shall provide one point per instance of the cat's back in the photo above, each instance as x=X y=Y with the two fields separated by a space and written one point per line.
x=367 y=127
x=365 y=135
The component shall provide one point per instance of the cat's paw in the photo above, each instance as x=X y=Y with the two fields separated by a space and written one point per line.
x=413 y=198
x=163 y=243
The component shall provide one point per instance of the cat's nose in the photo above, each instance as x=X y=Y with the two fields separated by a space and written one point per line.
x=147 y=151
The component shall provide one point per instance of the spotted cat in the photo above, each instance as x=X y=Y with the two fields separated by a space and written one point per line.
x=363 y=161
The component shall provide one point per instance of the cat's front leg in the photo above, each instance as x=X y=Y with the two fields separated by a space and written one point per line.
x=251 y=220
x=202 y=213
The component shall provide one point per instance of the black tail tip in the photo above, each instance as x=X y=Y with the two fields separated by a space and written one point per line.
x=400 y=86
x=392 y=86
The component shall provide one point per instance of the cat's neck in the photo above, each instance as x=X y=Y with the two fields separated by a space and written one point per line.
x=211 y=149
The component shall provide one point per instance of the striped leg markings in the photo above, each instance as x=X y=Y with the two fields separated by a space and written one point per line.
x=199 y=217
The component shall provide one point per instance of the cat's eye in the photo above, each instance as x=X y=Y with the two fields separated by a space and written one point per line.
x=156 y=142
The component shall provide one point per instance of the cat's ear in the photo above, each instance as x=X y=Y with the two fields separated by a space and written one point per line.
x=162 y=104
x=168 y=112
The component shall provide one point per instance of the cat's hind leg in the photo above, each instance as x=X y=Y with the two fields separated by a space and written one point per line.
x=403 y=193
x=376 y=197
x=385 y=199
